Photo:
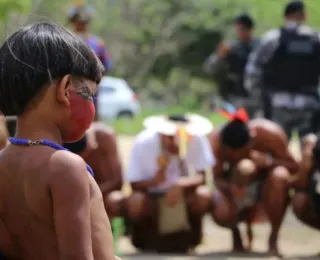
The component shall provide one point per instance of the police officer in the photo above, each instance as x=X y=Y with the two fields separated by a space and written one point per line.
x=286 y=65
x=228 y=63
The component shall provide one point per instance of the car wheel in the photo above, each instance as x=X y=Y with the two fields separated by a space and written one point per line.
x=125 y=115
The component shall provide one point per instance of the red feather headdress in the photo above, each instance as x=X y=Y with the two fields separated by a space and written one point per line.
x=240 y=114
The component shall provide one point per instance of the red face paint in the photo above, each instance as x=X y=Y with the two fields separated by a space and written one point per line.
x=82 y=113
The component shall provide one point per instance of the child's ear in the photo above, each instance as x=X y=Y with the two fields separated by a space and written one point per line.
x=63 y=88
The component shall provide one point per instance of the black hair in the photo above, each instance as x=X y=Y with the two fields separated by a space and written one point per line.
x=294 y=7
x=37 y=54
x=11 y=125
x=77 y=147
x=178 y=118
x=235 y=134
x=245 y=20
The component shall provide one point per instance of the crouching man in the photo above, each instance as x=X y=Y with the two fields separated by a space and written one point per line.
x=168 y=202
x=252 y=170
x=306 y=201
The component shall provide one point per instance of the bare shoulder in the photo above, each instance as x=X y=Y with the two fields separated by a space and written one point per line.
x=268 y=130
x=67 y=168
x=104 y=135
x=99 y=127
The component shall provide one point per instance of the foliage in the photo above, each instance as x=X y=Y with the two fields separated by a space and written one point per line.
x=8 y=6
x=159 y=46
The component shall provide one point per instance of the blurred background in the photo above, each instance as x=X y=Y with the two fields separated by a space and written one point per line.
x=158 y=47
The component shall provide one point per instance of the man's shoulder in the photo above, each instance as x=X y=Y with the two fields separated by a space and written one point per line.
x=101 y=129
x=267 y=128
x=270 y=35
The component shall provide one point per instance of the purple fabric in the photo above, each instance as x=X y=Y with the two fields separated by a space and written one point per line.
x=97 y=45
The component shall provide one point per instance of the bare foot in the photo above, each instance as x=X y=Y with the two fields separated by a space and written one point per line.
x=237 y=241
x=274 y=252
x=239 y=249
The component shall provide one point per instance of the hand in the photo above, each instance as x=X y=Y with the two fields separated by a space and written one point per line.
x=160 y=177
x=308 y=144
x=261 y=160
x=163 y=161
x=223 y=49
x=173 y=195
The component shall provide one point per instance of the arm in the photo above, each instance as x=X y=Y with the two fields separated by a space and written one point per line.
x=278 y=147
x=259 y=58
x=301 y=180
x=214 y=65
x=135 y=173
x=201 y=158
x=112 y=172
x=70 y=191
x=143 y=185
x=218 y=170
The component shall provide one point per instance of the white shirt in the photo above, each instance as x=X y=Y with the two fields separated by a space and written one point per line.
x=143 y=164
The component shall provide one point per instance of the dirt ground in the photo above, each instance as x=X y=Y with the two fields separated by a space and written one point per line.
x=297 y=241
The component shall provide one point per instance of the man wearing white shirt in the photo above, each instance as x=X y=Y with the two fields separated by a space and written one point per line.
x=162 y=158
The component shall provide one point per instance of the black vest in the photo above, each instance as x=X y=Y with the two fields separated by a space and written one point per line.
x=237 y=60
x=295 y=65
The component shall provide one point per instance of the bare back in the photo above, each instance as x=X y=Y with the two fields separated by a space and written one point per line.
x=27 y=228
x=269 y=138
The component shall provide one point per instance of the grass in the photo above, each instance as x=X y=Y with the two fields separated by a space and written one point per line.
x=131 y=127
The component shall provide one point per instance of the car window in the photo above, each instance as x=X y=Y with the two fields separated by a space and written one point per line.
x=107 y=89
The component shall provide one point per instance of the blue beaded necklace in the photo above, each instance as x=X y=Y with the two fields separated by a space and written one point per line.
x=22 y=141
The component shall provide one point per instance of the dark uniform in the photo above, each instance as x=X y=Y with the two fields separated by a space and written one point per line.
x=287 y=66
x=229 y=75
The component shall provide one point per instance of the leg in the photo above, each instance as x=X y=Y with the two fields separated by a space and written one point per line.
x=140 y=215
x=225 y=214
x=275 y=201
x=304 y=210
x=138 y=206
x=249 y=234
x=199 y=201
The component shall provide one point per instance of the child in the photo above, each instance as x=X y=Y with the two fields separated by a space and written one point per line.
x=50 y=206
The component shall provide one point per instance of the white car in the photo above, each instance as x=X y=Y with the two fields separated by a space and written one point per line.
x=116 y=99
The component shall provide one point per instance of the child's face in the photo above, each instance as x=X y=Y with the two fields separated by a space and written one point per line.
x=81 y=109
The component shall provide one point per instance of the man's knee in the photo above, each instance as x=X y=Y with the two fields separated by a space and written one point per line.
x=279 y=177
x=224 y=212
x=202 y=200
x=137 y=205
x=114 y=203
x=299 y=204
